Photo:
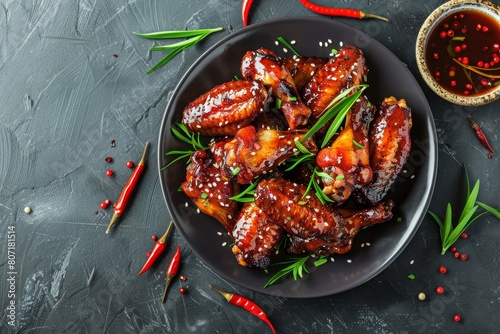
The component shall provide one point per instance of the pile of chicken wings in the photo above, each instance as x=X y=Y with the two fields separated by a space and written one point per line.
x=256 y=122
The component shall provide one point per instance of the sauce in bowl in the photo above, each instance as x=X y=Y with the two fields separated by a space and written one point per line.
x=462 y=52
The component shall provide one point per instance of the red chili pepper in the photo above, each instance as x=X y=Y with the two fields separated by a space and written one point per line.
x=247 y=305
x=157 y=250
x=480 y=134
x=172 y=269
x=121 y=204
x=345 y=12
x=245 y=10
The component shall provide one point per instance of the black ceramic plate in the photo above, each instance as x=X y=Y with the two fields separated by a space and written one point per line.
x=412 y=191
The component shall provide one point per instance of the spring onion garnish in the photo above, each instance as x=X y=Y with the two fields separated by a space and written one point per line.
x=338 y=108
x=194 y=37
x=449 y=233
x=246 y=195
x=288 y=45
x=296 y=267
x=188 y=137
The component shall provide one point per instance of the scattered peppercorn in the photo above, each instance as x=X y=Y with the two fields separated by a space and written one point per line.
x=130 y=164
x=464 y=235
x=457 y=318
x=442 y=269
x=115 y=55
x=109 y=173
x=96 y=212
x=154 y=237
x=182 y=291
x=421 y=296
x=148 y=254
x=107 y=201
x=456 y=255
x=440 y=290
x=183 y=278
x=113 y=143
x=103 y=205
x=463 y=257
x=109 y=159
x=453 y=249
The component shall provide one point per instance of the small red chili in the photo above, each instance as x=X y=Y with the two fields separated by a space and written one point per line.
x=109 y=173
x=480 y=134
x=247 y=305
x=172 y=269
x=130 y=164
x=344 y=12
x=121 y=204
x=245 y=10
x=157 y=250
x=442 y=270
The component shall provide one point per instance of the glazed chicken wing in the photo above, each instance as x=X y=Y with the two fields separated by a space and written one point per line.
x=304 y=217
x=303 y=69
x=206 y=188
x=346 y=69
x=390 y=146
x=354 y=221
x=255 y=237
x=347 y=161
x=226 y=108
x=265 y=65
x=252 y=153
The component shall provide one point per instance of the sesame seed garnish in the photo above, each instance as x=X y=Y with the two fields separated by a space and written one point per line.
x=349 y=261
x=224 y=244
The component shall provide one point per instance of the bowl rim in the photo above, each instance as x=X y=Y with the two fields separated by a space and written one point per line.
x=431 y=21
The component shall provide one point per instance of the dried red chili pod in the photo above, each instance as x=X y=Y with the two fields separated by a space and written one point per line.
x=172 y=269
x=120 y=205
x=480 y=134
x=245 y=10
x=157 y=250
x=344 y=12
x=247 y=305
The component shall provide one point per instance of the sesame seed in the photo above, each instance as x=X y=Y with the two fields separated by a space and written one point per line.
x=349 y=261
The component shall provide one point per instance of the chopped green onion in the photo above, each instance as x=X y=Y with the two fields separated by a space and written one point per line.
x=288 y=45
x=358 y=145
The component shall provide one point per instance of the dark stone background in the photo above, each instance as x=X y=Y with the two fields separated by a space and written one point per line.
x=64 y=97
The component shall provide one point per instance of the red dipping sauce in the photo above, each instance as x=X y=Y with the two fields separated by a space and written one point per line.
x=462 y=53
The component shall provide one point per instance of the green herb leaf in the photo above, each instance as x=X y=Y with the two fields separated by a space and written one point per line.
x=195 y=36
x=288 y=45
x=450 y=233
x=296 y=267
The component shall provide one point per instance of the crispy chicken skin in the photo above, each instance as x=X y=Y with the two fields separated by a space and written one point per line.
x=283 y=203
x=255 y=237
x=206 y=188
x=226 y=108
x=390 y=146
x=252 y=153
x=354 y=221
x=346 y=69
x=347 y=160
x=303 y=69
x=264 y=65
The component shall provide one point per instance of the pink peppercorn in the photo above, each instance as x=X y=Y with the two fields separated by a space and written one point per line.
x=442 y=269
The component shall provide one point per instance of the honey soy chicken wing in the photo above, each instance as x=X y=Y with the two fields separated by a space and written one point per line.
x=303 y=217
x=344 y=70
x=347 y=160
x=390 y=146
x=354 y=221
x=255 y=237
x=206 y=188
x=264 y=65
x=255 y=152
x=226 y=108
x=303 y=69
